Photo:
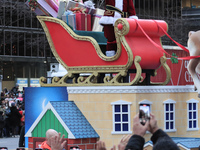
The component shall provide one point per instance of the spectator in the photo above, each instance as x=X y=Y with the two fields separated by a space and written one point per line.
x=2 y=109
x=121 y=145
x=21 y=120
x=2 y=95
x=5 y=91
x=15 y=89
x=7 y=98
x=53 y=140
x=14 y=119
x=21 y=137
x=57 y=143
x=159 y=138
x=7 y=123
x=161 y=141
x=20 y=98
x=139 y=130
x=101 y=145
x=2 y=123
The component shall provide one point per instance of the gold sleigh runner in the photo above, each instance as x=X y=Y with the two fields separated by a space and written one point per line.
x=82 y=55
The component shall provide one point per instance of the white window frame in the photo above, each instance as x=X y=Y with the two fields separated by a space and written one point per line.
x=169 y=101
x=189 y=102
x=121 y=102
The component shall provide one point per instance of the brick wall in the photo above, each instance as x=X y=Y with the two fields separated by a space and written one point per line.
x=30 y=143
x=84 y=144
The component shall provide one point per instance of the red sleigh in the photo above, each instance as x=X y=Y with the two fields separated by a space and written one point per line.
x=82 y=54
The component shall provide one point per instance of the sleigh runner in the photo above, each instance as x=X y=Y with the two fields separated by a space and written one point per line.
x=82 y=54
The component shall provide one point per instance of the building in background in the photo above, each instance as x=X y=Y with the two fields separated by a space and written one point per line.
x=24 y=50
x=182 y=16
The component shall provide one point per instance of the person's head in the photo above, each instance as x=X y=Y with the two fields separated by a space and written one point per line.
x=165 y=144
x=2 y=94
x=49 y=134
x=3 y=102
x=5 y=90
x=13 y=104
x=16 y=85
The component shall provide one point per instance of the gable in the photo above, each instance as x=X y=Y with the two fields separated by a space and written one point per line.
x=74 y=119
x=73 y=122
x=48 y=121
x=36 y=122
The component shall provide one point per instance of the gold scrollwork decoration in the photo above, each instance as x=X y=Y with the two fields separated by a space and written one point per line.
x=163 y=61
x=125 y=27
x=75 y=78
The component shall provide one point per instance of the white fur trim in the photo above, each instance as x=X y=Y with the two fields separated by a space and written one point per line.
x=134 y=17
x=119 y=5
x=107 y=20
x=110 y=53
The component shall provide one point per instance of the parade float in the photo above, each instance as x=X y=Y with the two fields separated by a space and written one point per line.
x=130 y=56
x=108 y=90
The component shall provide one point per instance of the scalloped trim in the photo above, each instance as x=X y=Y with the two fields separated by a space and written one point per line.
x=131 y=89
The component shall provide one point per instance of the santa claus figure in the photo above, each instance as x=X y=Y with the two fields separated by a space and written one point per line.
x=115 y=9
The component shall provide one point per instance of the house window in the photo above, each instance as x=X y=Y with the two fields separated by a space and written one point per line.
x=121 y=117
x=169 y=115
x=192 y=114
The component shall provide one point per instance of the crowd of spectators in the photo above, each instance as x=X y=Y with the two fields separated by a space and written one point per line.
x=12 y=112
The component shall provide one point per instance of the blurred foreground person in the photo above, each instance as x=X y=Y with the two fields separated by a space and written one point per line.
x=53 y=140
x=161 y=141
x=121 y=146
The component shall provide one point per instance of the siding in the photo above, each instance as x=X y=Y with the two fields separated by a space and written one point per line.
x=48 y=121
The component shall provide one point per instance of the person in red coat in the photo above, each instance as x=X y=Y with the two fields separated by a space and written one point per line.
x=115 y=9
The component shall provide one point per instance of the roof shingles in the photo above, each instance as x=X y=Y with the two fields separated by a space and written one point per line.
x=188 y=142
x=74 y=119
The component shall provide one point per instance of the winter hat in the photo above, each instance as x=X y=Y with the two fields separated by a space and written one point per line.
x=12 y=104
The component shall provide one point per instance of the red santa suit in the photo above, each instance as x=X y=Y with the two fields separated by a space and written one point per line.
x=109 y=18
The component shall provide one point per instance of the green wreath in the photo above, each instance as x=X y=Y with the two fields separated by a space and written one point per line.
x=173 y=59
